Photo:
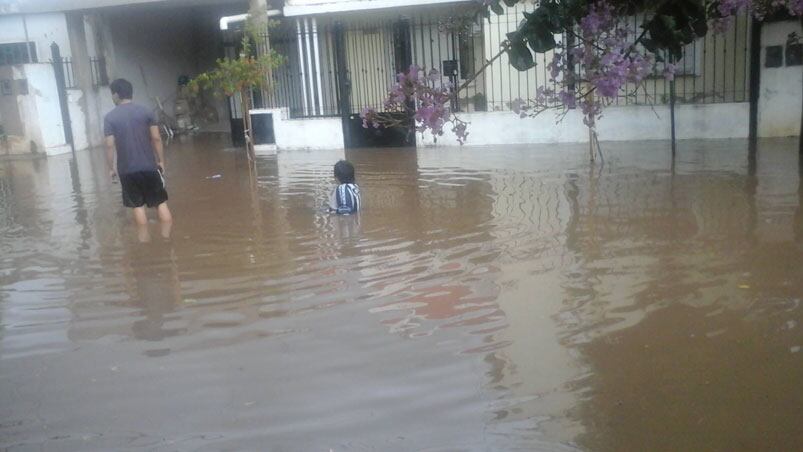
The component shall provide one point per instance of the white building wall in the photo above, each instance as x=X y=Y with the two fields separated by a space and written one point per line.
x=78 y=119
x=781 y=95
x=311 y=133
x=96 y=99
x=710 y=121
x=43 y=29
x=40 y=110
x=631 y=123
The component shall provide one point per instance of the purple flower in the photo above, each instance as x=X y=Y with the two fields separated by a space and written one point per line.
x=669 y=72
x=568 y=99
x=517 y=106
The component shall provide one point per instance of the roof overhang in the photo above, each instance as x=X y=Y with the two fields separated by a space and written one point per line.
x=313 y=7
x=44 y=6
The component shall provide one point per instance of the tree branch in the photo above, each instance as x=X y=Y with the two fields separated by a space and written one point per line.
x=505 y=46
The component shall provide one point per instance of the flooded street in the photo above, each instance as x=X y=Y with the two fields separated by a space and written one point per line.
x=505 y=298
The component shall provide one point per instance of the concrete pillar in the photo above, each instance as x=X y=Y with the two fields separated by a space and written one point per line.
x=83 y=75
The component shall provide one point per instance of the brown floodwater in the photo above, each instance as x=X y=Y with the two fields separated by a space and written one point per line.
x=500 y=298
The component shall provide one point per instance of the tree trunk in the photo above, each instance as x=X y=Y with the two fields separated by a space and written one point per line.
x=245 y=100
x=268 y=90
x=591 y=134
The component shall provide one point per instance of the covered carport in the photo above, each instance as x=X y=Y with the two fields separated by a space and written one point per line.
x=155 y=44
x=152 y=43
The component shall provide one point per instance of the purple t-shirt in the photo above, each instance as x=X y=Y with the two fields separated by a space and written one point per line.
x=130 y=124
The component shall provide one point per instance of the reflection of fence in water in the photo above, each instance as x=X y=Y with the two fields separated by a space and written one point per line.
x=651 y=205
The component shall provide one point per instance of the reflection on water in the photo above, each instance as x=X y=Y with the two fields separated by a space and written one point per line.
x=486 y=299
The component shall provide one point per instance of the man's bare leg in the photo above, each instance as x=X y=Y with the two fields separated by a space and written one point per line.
x=165 y=227
x=164 y=213
x=143 y=234
x=139 y=215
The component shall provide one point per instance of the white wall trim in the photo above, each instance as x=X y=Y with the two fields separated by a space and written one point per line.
x=301 y=65
x=328 y=7
x=779 y=99
x=625 y=123
x=303 y=134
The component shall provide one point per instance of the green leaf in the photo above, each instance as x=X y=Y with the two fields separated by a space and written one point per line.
x=700 y=28
x=497 y=8
x=576 y=9
x=676 y=52
x=541 y=40
x=649 y=44
x=549 y=15
x=520 y=56
x=514 y=36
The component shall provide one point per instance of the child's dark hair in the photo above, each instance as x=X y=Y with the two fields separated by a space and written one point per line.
x=344 y=172
x=122 y=88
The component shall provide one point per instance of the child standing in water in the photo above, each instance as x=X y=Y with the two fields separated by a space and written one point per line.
x=345 y=199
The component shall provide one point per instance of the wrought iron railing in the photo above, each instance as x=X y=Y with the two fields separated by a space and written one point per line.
x=312 y=82
x=100 y=75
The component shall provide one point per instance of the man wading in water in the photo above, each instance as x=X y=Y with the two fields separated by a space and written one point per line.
x=132 y=131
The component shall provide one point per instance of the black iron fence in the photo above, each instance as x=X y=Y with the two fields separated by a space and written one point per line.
x=100 y=75
x=98 y=72
x=69 y=73
x=713 y=69
x=307 y=81
x=353 y=64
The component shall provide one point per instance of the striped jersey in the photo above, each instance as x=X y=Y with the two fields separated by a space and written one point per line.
x=345 y=199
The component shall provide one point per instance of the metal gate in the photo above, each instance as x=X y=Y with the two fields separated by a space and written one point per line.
x=367 y=60
x=336 y=69
x=59 y=65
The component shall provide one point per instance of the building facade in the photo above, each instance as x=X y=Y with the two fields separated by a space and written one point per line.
x=342 y=56
x=151 y=43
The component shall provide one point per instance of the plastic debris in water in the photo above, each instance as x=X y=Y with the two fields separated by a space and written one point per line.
x=214 y=176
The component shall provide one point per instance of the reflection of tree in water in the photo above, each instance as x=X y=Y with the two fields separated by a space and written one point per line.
x=6 y=193
x=6 y=216
x=798 y=221
x=23 y=184
x=80 y=206
x=640 y=239
x=677 y=291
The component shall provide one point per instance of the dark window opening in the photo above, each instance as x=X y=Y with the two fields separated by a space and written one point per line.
x=466 y=43
x=17 y=53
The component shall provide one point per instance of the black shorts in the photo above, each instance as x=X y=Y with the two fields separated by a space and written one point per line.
x=144 y=187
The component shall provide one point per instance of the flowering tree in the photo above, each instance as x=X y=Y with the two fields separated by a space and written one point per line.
x=418 y=95
x=602 y=55
x=233 y=76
